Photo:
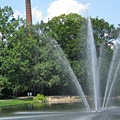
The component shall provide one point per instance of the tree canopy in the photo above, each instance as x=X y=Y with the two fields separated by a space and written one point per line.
x=37 y=58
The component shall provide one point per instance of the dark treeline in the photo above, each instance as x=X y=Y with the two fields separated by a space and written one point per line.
x=31 y=59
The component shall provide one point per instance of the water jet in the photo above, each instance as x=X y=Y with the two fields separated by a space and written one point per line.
x=94 y=70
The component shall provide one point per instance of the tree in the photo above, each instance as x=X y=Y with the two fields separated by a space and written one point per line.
x=103 y=31
x=48 y=70
x=70 y=31
x=31 y=58
x=17 y=52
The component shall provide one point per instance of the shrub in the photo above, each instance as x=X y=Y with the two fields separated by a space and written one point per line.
x=40 y=97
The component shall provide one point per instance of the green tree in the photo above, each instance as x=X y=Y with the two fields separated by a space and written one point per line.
x=32 y=59
x=103 y=31
x=70 y=31
x=17 y=52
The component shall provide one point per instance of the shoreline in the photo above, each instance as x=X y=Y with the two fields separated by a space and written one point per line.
x=30 y=100
x=50 y=100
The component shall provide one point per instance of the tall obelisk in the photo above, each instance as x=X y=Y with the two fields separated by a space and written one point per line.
x=28 y=12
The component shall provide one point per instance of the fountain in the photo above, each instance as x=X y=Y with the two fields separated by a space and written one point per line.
x=92 y=57
x=33 y=112
x=64 y=62
x=95 y=69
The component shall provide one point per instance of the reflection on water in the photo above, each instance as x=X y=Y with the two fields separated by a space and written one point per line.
x=41 y=107
x=74 y=111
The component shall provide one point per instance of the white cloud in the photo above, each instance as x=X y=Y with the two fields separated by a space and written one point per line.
x=56 y=8
x=59 y=7
x=37 y=15
x=17 y=13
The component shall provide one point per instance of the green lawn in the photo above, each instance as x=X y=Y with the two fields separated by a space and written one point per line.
x=15 y=102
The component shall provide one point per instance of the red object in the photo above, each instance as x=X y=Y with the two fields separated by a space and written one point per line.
x=28 y=12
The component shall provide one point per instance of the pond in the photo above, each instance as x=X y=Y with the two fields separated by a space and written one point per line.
x=63 y=111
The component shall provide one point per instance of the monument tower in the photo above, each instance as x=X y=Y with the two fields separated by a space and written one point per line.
x=28 y=12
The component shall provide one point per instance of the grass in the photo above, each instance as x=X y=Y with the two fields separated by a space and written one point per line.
x=15 y=102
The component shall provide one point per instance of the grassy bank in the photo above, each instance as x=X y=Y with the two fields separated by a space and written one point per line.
x=15 y=102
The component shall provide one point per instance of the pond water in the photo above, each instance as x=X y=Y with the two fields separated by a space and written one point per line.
x=69 y=111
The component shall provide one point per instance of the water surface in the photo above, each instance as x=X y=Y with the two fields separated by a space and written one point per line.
x=69 y=111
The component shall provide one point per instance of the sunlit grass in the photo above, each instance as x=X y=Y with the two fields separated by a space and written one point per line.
x=15 y=102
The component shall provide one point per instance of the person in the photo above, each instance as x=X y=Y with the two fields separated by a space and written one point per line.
x=28 y=94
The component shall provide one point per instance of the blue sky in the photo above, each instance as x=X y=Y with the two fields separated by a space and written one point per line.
x=44 y=9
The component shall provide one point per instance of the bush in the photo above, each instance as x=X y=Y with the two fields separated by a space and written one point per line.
x=40 y=97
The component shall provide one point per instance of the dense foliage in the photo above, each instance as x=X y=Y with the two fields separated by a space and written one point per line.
x=31 y=58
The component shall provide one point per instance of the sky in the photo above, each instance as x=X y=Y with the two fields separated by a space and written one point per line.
x=47 y=9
